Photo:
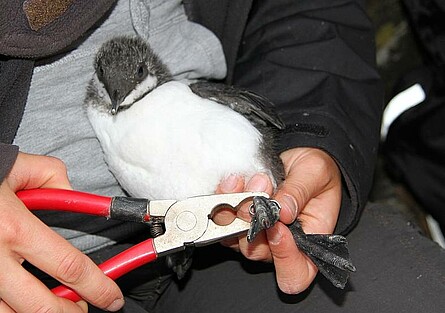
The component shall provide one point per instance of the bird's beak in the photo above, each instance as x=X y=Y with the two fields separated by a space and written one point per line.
x=114 y=106
x=116 y=100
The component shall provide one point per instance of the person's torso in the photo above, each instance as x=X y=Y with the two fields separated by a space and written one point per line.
x=54 y=122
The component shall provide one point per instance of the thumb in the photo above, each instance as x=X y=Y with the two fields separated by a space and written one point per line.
x=293 y=271
x=83 y=305
x=294 y=193
x=36 y=171
x=309 y=172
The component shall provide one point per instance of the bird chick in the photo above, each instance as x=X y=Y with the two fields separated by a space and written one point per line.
x=164 y=139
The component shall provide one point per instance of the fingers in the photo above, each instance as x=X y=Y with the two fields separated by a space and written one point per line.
x=25 y=293
x=4 y=307
x=302 y=182
x=231 y=184
x=294 y=271
x=83 y=305
x=311 y=191
x=259 y=183
x=23 y=236
x=312 y=186
x=72 y=268
x=258 y=250
x=35 y=171
x=236 y=183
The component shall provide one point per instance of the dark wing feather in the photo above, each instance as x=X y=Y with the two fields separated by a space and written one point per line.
x=256 y=108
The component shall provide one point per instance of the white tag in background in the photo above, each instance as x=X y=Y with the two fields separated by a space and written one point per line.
x=402 y=102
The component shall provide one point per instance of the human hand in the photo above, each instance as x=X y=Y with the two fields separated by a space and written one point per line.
x=24 y=237
x=311 y=191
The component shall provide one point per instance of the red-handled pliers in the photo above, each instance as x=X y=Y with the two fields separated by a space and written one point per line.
x=186 y=222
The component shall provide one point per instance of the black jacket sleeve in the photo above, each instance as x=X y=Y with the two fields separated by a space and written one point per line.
x=15 y=77
x=316 y=61
x=8 y=154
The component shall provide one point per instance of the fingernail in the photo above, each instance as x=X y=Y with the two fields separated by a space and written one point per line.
x=116 y=305
x=290 y=204
x=229 y=183
x=258 y=182
x=274 y=235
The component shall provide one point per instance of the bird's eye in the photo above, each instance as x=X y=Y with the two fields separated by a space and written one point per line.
x=141 y=72
x=100 y=71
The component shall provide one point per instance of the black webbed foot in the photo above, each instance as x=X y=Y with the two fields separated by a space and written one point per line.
x=328 y=252
x=180 y=262
x=265 y=213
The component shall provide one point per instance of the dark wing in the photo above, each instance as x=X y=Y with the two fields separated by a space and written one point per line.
x=256 y=108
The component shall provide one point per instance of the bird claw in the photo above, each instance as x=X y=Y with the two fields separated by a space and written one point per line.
x=265 y=213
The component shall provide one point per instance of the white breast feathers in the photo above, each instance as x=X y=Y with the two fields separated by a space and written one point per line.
x=172 y=144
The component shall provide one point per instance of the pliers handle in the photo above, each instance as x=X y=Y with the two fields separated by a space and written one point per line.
x=186 y=222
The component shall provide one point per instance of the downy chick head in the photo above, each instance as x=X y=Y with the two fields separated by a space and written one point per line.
x=126 y=69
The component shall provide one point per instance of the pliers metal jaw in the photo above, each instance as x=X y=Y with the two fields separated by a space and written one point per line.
x=189 y=222
x=185 y=222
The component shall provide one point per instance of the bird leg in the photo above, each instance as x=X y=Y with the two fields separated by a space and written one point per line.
x=265 y=213
x=180 y=262
x=328 y=252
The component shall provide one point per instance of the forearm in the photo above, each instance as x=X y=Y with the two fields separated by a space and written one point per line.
x=315 y=61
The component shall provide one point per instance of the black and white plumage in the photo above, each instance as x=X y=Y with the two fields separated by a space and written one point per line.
x=164 y=139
